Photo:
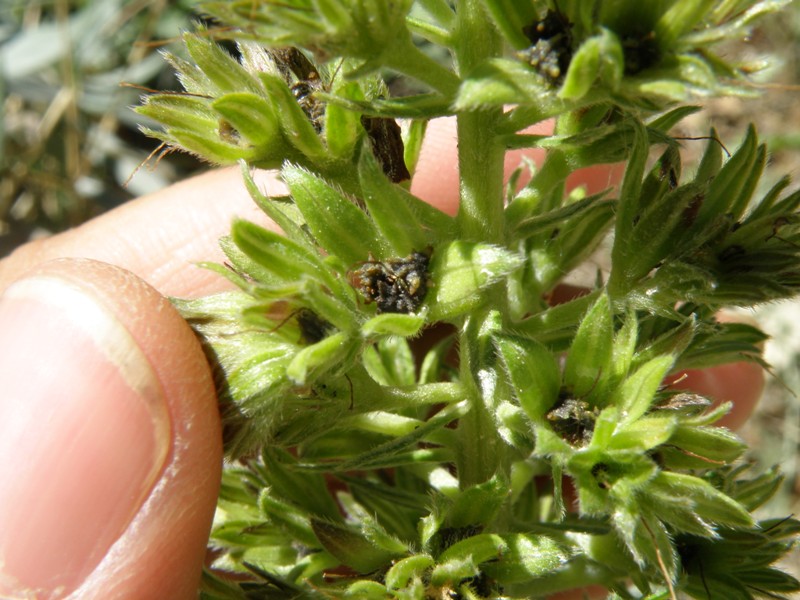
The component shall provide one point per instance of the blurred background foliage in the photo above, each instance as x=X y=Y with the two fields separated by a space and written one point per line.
x=70 y=148
x=69 y=141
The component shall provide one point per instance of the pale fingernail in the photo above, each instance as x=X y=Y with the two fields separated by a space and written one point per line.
x=84 y=434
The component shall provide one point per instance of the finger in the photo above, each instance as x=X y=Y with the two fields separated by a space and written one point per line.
x=160 y=237
x=741 y=383
x=110 y=414
x=436 y=179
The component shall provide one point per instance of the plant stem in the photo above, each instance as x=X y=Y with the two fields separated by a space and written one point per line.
x=480 y=218
x=479 y=448
x=480 y=153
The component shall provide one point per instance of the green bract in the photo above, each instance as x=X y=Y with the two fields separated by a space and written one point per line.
x=405 y=404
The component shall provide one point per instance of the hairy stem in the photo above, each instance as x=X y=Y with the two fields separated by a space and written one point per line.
x=480 y=153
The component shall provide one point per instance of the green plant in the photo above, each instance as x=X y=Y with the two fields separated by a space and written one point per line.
x=363 y=467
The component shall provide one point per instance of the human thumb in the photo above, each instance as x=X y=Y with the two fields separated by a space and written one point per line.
x=110 y=443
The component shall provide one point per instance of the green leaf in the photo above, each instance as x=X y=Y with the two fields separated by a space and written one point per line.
x=460 y=270
x=534 y=374
x=334 y=349
x=624 y=348
x=643 y=434
x=291 y=227
x=501 y=81
x=391 y=208
x=709 y=503
x=525 y=557
x=637 y=393
x=682 y=16
x=208 y=146
x=365 y=589
x=478 y=504
x=340 y=227
x=276 y=253
x=351 y=547
x=221 y=69
x=407 y=569
x=342 y=126
x=377 y=456
x=413 y=137
x=590 y=356
x=297 y=127
x=390 y=362
x=511 y=17
x=550 y=221
x=628 y=211
x=728 y=185
x=477 y=549
x=417 y=106
x=659 y=231
x=288 y=517
x=393 y=324
x=598 y=57
x=665 y=122
x=307 y=491
x=176 y=111
x=713 y=443
x=253 y=118
x=418 y=223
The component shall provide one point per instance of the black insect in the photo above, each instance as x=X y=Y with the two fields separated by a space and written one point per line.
x=396 y=285
x=295 y=67
x=304 y=93
x=640 y=51
x=313 y=328
x=387 y=146
x=600 y=472
x=551 y=46
x=573 y=419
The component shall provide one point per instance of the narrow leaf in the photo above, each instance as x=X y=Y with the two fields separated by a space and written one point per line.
x=340 y=227
x=534 y=374
x=252 y=117
x=350 y=547
x=590 y=356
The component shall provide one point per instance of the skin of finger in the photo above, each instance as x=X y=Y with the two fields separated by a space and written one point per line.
x=741 y=383
x=160 y=237
x=160 y=554
x=436 y=179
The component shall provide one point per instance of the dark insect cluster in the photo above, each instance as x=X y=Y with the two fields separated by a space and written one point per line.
x=551 y=46
x=396 y=285
x=573 y=420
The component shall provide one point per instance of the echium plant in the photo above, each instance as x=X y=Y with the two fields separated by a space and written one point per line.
x=530 y=448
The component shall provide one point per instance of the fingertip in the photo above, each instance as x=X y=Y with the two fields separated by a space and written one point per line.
x=436 y=177
x=123 y=433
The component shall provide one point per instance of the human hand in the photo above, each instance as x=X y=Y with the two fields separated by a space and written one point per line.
x=109 y=430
